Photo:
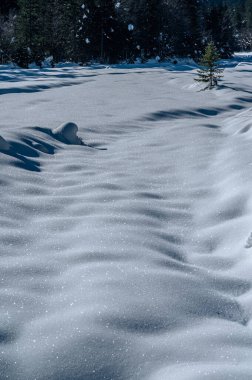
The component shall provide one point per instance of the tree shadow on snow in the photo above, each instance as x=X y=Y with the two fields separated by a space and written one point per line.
x=181 y=114
x=40 y=87
x=230 y=86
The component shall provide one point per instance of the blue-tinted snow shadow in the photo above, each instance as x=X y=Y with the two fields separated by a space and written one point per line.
x=18 y=75
x=194 y=113
x=25 y=156
x=27 y=152
x=40 y=87
x=233 y=87
x=181 y=114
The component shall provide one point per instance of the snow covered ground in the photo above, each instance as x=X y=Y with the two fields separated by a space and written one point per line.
x=127 y=256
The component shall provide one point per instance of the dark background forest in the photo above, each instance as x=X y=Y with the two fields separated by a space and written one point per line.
x=116 y=30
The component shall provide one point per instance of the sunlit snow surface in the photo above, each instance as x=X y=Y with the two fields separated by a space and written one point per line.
x=129 y=256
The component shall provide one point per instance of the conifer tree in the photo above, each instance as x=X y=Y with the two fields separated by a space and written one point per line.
x=220 y=29
x=65 y=28
x=210 y=72
x=146 y=17
x=248 y=13
x=182 y=27
x=30 y=40
x=7 y=35
x=7 y=5
x=84 y=29
x=193 y=32
x=99 y=30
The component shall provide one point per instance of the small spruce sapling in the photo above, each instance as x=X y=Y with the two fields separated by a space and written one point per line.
x=210 y=72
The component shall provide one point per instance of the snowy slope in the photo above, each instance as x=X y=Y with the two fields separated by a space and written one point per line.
x=129 y=256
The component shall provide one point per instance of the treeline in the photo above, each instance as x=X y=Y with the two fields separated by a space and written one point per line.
x=114 y=30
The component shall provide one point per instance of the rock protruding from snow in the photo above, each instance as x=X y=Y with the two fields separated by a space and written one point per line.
x=68 y=133
x=4 y=145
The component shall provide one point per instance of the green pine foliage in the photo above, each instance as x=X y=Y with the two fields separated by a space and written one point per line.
x=210 y=73
x=220 y=28
x=30 y=41
x=84 y=30
x=145 y=16
x=99 y=31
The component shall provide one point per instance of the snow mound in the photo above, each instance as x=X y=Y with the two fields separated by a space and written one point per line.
x=68 y=133
x=4 y=145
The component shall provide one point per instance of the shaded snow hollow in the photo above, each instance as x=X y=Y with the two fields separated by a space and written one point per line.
x=132 y=262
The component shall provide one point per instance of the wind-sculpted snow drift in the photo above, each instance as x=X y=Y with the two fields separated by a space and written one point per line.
x=131 y=262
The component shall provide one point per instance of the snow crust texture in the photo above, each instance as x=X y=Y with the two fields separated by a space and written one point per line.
x=128 y=258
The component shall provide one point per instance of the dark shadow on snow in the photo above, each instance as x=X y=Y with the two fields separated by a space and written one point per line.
x=39 y=87
x=24 y=155
x=181 y=114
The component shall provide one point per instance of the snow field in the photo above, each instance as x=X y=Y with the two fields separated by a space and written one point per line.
x=125 y=257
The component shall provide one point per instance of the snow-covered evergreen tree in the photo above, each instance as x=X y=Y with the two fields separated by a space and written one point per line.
x=210 y=72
